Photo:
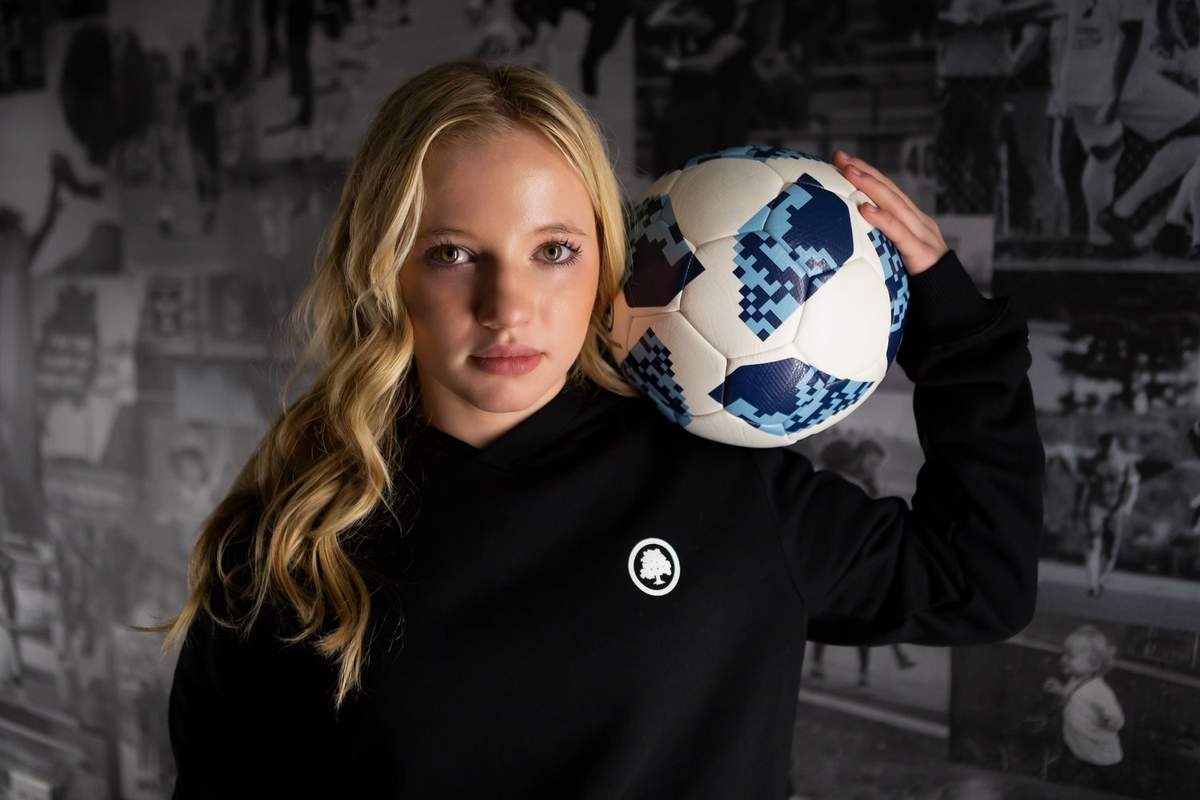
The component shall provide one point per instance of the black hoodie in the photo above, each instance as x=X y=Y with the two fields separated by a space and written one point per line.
x=599 y=604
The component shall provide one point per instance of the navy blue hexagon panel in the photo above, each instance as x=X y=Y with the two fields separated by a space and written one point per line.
x=786 y=396
x=659 y=261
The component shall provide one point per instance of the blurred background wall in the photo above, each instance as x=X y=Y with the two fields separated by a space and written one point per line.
x=167 y=166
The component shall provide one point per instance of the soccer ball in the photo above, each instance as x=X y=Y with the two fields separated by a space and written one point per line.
x=759 y=306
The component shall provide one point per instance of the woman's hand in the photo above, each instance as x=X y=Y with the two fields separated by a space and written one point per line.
x=914 y=233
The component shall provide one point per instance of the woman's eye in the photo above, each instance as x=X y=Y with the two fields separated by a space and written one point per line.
x=442 y=248
x=570 y=256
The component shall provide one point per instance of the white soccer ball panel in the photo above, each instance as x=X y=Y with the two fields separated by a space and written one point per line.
x=663 y=185
x=713 y=199
x=789 y=169
x=857 y=198
x=862 y=228
x=844 y=327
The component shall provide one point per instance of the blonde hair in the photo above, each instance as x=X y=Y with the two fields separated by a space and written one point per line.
x=283 y=531
x=1103 y=653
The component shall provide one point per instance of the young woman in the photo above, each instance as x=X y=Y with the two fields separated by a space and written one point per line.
x=470 y=560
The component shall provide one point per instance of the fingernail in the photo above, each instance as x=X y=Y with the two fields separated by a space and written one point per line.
x=855 y=172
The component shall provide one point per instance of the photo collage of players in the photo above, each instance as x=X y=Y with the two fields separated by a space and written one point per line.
x=175 y=163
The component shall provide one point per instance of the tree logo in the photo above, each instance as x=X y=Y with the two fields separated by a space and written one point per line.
x=653 y=566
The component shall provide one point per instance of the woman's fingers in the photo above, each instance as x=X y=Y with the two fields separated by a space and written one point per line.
x=845 y=162
x=842 y=160
x=918 y=254
x=888 y=200
x=915 y=234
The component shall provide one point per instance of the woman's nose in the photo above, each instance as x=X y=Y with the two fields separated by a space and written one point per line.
x=506 y=294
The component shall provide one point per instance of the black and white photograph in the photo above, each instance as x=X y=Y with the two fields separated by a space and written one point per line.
x=60 y=208
x=1083 y=702
x=1077 y=124
x=1088 y=181
x=318 y=69
x=240 y=315
x=1115 y=358
x=194 y=466
x=185 y=74
x=810 y=77
x=274 y=228
x=171 y=314
x=85 y=369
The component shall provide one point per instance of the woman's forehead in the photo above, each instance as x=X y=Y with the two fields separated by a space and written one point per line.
x=533 y=199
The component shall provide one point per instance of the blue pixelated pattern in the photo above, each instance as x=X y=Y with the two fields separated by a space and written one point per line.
x=787 y=250
x=786 y=396
x=648 y=366
x=896 y=278
x=776 y=280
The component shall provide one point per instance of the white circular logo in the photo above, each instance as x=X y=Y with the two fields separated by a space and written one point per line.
x=653 y=566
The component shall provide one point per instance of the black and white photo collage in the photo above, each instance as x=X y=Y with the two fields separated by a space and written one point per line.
x=168 y=167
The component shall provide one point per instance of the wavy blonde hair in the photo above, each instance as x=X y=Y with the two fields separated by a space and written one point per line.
x=283 y=532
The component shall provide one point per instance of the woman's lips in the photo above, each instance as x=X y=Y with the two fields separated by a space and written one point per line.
x=513 y=365
x=507 y=351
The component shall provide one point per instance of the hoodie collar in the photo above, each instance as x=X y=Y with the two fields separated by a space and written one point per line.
x=532 y=435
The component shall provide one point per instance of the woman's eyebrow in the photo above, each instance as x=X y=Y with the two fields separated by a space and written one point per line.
x=553 y=227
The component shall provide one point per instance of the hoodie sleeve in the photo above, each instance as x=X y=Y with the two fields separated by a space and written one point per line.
x=958 y=566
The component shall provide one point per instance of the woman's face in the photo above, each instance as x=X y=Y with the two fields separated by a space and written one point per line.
x=497 y=278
